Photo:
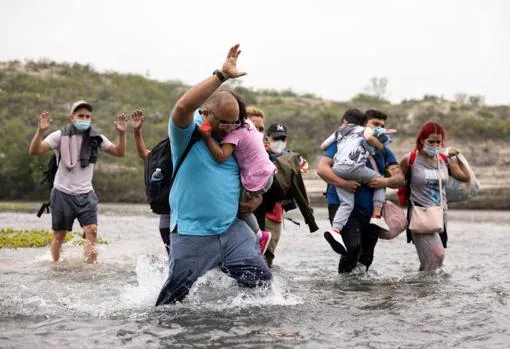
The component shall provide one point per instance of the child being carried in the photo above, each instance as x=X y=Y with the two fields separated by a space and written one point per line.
x=256 y=169
x=356 y=144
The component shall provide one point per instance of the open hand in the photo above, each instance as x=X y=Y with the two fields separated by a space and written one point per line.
x=229 y=68
x=121 y=123
x=44 y=122
x=137 y=119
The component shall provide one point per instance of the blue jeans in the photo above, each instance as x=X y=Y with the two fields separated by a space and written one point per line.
x=235 y=251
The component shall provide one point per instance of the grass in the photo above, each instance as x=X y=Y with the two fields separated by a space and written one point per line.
x=16 y=206
x=15 y=238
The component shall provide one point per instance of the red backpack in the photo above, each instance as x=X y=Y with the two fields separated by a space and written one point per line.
x=403 y=192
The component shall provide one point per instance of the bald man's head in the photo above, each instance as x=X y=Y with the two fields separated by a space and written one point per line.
x=226 y=108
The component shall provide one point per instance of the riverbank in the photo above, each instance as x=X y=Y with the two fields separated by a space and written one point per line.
x=494 y=195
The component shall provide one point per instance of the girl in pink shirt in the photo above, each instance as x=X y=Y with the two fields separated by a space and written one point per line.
x=256 y=169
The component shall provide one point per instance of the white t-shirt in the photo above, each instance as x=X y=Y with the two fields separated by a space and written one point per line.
x=77 y=180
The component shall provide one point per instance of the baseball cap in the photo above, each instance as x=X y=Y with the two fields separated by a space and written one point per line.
x=80 y=103
x=276 y=130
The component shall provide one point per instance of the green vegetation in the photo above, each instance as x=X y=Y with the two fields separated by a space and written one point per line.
x=26 y=89
x=13 y=238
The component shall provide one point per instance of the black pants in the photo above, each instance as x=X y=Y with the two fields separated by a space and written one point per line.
x=360 y=238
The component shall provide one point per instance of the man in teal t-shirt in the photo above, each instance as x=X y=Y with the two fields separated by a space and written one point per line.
x=215 y=187
x=205 y=196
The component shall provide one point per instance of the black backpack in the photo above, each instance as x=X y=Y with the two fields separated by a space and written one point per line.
x=161 y=157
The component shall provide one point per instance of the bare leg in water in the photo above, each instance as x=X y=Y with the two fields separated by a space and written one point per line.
x=56 y=244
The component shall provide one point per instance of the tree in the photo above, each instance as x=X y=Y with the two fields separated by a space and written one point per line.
x=477 y=100
x=378 y=87
x=461 y=98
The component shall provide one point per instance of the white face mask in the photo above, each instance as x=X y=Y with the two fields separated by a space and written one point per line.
x=277 y=146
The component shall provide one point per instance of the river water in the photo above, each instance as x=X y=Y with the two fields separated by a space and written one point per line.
x=110 y=304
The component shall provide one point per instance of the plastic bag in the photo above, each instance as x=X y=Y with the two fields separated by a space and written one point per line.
x=396 y=220
x=462 y=191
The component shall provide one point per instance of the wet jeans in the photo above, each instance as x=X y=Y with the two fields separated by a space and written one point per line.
x=235 y=251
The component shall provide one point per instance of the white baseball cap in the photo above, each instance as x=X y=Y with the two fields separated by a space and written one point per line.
x=80 y=103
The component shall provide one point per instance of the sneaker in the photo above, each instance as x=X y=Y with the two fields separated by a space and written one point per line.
x=380 y=222
x=335 y=241
x=264 y=241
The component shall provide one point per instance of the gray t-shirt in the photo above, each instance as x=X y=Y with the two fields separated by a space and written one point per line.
x=425 y=182
x=350 y=150
x=77 y=180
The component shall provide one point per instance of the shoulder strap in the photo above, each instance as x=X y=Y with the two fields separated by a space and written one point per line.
x=412 y=158
x=410 y=161
x=195 y=137
x=440 y=179
x=443 y=157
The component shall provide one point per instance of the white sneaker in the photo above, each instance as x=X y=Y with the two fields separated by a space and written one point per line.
x=335 y=241
x=380 y=222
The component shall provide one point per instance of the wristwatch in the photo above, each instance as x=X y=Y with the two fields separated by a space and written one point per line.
x=220 y=75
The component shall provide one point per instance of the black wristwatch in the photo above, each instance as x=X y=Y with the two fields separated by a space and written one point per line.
x=220 y=75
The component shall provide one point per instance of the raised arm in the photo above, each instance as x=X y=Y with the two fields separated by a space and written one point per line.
x=182 y=114
x=119 y=149
x=137 y=119
x=38 y=146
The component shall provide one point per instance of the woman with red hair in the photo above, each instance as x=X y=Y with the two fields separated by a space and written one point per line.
x=427 y=170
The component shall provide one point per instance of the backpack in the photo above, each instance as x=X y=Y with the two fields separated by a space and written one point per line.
x=49 y=176
x=161 y=157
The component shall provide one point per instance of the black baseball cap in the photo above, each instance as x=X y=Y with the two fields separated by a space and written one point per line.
x=276 y=130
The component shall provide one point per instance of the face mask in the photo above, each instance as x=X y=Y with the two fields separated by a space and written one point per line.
x=431 y=151
x=82 y=125
x=277 y=146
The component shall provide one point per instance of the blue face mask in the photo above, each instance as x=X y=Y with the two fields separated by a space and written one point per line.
x=82 y=125
x=431 y=151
